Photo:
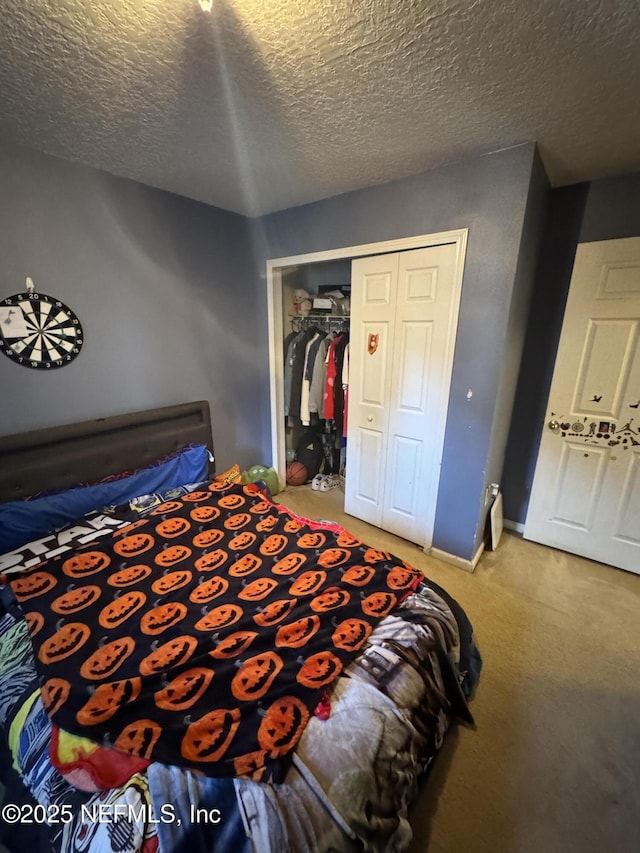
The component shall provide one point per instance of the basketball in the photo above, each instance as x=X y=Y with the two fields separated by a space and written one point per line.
x=296 y=474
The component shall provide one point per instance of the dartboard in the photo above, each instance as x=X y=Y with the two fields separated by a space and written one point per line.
x=39 y=331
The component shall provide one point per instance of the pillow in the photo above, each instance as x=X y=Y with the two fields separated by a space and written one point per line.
x=23 y=521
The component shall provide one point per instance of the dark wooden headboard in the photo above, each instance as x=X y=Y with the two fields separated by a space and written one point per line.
x=64 y=456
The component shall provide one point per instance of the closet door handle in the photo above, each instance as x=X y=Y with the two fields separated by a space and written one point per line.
x=369 y=418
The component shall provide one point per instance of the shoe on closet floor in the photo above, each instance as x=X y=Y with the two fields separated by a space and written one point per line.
x=329 y=482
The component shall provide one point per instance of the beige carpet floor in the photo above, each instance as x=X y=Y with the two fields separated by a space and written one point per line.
x=553 y=764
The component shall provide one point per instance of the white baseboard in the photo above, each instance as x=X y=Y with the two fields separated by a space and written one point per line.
x=516 y=526
x=460 y=562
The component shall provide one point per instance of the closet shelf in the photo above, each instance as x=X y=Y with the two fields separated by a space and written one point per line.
x=318 y=316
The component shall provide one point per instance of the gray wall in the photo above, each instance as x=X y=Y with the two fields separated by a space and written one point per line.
x=532 y=233
x=488 y=195
x=164 y=288
x=602 y=210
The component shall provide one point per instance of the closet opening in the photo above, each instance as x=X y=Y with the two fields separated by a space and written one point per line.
x=376 y=315
x=316 y=318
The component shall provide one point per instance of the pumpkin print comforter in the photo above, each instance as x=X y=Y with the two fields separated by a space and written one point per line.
x=205 y=634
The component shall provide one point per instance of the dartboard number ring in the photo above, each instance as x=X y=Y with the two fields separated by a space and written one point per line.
x=39 y=331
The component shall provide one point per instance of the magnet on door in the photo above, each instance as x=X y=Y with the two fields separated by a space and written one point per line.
x=372 y=343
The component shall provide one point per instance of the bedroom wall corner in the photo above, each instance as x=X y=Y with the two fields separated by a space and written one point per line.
x=515 y=333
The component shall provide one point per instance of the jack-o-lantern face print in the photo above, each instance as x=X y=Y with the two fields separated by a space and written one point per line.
x=274 y=612
x=129 y=576
x=255 y=676
x=273 y=544
x=308 y=583
x=65 y=642
x=121 y=609
x=267 y=523
x=401 y=577
x=212 y=560
x=351 y=634
x=55 y=693
x=35 y=622
x=171 y=527
x=219 y=617
x=129 y=528
x=184 y=690
x=220 y=485
x=232 y=501
x=169 y=654
x=242 y=540
x=289 y=564
x=160 y=618
x=172 y=555
x=258 y=589
x=33 y=585
x=76 y=599
x=330 y=599
x=196 y=497
x=333 y=557
x=207 y=538
x=107 y=659
x=296 y=634
x=245 y=565
x=208 y=738
x=235 y=522
x=166 y=508
x=312 y=540
x=292 y=526
x=171 y=581
x=347 y=540
x=133 y=545
x=261 y=507
x=358 y=575
x=379 y=604
x=107 y=700
x=139 y=738
x=209 y=589
x=85 y=563
x=250 y=765
x=371 y=555
x=319 y=669
x=202 y=514
x=282 y=725
x=233 y=644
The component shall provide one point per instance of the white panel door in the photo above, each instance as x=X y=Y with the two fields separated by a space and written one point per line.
x=586 y=490
x=403 y=308
x=374 y=283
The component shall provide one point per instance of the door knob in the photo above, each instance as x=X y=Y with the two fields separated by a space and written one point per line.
x=554 y=426
x=370 y=418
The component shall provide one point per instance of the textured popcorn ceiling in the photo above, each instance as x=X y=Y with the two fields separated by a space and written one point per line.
x=265 y=104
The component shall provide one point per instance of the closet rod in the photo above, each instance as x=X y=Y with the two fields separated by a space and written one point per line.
x=319 y=319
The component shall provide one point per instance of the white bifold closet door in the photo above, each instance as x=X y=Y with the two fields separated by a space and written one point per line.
x=404 y=309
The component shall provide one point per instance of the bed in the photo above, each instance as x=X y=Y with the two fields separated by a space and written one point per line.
x=187 y=665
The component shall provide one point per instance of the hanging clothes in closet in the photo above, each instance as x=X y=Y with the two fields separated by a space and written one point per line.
x=315 y=383
x=336 y=395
